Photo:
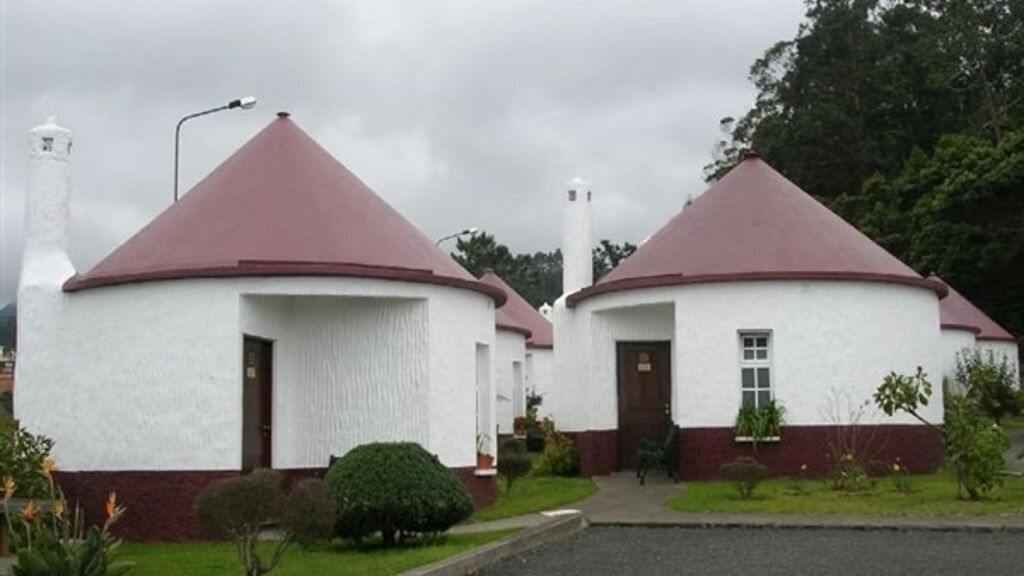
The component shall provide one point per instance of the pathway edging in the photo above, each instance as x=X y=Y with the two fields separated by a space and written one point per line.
x=474 y=560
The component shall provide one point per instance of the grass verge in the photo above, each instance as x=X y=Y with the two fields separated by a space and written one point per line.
x=932 y=495
x=534 y=494
x=334 y=559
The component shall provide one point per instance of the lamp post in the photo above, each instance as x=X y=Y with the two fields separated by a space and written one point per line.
x=243 y=103
x=472 y=230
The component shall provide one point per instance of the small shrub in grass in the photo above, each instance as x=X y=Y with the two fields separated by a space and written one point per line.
x=849 y=474
x=241 y=508
x=559 y=457
x=746 y=473
x=513 y=462
x=397 y=489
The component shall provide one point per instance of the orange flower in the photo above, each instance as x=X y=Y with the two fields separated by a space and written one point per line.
x=49 y=465
x=111 y=504
x=58 y=508
x=8 y=487
x=30 y=512
x=803 y=467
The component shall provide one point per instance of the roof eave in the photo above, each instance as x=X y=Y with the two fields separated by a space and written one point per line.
x=679 y=279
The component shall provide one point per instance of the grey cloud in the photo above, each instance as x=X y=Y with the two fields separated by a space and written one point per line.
x=458 y=113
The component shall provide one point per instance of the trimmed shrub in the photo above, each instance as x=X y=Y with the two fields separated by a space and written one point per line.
x=396 y=489
x=513 y=462
x=746 y=473
x=241 y=508
x=534 y=443
x=309 y=512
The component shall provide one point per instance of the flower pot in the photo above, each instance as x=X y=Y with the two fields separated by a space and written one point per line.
x=484 y=461
x=519 y=426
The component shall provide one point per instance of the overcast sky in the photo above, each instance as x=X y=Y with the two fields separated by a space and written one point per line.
x=458 y=114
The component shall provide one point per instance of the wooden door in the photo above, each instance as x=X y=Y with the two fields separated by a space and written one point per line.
x=645 y=385
x=257 y=399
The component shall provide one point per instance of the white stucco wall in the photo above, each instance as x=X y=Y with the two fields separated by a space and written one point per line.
x=510 y=348
x=539 y=372
x=149 y=375
x=825 y=335
x=953 y=341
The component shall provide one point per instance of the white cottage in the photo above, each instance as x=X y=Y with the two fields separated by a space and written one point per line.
x=966 y=327
x=280 y=313
x=523 y=352
x=754 y=292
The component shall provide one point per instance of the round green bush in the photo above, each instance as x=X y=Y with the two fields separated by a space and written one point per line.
x=395 y=489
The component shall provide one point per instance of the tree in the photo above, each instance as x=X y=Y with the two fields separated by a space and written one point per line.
x=608 y=255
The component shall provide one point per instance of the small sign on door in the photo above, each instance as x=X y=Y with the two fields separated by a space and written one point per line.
x=643 y=362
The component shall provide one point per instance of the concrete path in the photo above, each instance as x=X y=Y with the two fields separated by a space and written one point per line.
x=620 y=499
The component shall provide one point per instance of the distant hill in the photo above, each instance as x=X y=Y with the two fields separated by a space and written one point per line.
x=8 y=325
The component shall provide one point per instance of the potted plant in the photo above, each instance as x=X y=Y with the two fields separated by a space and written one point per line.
x=484 y=461
x=519 y=426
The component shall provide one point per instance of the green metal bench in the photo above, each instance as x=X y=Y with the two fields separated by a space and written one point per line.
x=658 y=454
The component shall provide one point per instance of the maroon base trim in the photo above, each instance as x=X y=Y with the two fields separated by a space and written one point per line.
x=598 y=450
x=159 y=503
x=483 y=489
x=703 y=450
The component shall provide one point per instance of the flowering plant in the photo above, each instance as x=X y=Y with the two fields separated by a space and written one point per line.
x=900 y=477
x=51 y=541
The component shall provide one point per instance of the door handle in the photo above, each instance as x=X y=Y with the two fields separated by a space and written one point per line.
x=668 y=409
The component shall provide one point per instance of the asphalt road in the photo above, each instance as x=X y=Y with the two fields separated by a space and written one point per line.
x=601 y=551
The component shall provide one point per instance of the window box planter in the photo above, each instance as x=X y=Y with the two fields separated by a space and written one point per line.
x=750 y=439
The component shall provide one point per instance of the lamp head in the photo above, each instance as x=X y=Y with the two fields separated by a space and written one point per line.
x=243 y=103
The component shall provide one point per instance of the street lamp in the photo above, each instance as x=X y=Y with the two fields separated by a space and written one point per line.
x=243 y=103
x=472 y=230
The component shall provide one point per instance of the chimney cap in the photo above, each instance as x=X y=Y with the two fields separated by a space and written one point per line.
x=578 y=183
x=283 y=114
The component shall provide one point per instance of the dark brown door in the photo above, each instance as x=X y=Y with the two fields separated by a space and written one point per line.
x=257 y=397
x=645 y=384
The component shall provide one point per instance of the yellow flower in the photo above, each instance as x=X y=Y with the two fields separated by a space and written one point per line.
x=803 y=467
x=111 y=504
x=49 y=465
x=30 y=512
x=848 y=457
x=58 y=508
x=895 y=467
x=8 y=487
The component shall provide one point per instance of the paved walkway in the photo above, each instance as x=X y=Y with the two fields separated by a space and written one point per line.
x=621 y=501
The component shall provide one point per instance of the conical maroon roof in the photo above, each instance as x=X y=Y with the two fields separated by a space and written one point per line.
x=518 y=312
x=754 y=224
x=957 y=312
x=280 y=206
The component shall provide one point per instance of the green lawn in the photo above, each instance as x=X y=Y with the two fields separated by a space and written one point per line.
x=534 y=494
x=220 y=559
x=933 y=495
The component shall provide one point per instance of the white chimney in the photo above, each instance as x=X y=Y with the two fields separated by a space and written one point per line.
x=577 y=261
x=45 y=261
x=45 y=265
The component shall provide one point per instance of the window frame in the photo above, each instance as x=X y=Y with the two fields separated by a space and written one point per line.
x=756 y=363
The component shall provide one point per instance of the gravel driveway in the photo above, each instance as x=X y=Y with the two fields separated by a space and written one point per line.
x=671 y=551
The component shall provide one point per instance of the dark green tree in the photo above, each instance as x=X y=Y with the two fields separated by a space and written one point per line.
x=608 y=255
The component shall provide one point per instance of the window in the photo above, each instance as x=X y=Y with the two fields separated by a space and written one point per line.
x=755 y=368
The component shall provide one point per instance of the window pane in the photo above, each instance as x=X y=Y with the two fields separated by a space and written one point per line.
x=763 y=378
x=748 y=342
x=748 y=378
x=762 y=342
x=762 y=354
x=748 y=354
x=748 y=398
x=763 y=397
